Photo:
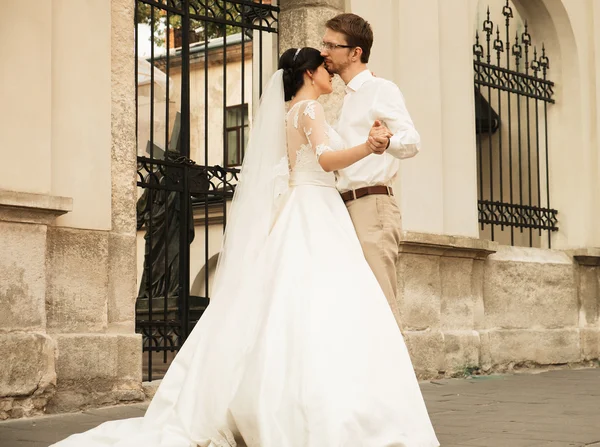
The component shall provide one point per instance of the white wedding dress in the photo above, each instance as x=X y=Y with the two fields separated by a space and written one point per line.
x=315 y=359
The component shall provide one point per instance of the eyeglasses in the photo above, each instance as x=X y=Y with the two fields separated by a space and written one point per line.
x=332 y=46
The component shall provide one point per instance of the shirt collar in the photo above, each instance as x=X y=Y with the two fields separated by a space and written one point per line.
x=358 y=80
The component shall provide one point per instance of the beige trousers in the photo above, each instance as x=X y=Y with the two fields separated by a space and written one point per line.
x=378 y=224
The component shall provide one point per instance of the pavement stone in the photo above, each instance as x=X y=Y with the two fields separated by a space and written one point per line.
x=558 y=408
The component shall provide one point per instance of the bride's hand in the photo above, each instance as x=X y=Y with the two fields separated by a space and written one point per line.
x=377 y=145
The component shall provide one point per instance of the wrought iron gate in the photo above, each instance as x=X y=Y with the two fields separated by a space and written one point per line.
x=202 y=69
x=511 y=108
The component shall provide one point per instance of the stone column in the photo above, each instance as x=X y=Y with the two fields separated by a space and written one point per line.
x=91 y=255
x=302 y=24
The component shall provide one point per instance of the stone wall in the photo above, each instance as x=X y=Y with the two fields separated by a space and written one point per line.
x=28 y=352
x=68 y=266
x=471 y=305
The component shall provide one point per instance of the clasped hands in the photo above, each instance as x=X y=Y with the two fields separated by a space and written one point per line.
x=379 y=138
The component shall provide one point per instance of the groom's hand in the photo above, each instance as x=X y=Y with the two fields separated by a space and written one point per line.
x=379 y=138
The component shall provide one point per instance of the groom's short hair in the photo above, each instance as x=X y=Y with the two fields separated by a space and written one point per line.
x=357 y=30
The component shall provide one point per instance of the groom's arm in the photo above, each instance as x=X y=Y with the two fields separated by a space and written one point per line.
x=390 y=108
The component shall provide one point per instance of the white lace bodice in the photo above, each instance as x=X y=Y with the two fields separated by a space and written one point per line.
x=309 y=136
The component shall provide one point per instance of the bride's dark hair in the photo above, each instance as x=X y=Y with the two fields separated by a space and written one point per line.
x=294 y=63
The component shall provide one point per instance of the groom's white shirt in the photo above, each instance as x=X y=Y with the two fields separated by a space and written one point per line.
x=369 y=98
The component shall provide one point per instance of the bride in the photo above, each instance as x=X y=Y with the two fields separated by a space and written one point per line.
x=298 y=347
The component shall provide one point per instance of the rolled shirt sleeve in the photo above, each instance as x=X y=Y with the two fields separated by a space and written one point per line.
x=389 y=107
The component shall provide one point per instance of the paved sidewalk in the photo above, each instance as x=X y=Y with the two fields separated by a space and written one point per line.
x=549 y=409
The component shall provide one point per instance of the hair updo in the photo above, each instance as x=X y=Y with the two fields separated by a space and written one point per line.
x=294 y=65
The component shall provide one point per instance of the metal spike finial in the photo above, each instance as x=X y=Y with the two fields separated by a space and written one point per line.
x=535 y=64
x=507 y=11
x=517 y=50
x=488 y=26
x=526 y=37
x=498 y=44
x=544 y=61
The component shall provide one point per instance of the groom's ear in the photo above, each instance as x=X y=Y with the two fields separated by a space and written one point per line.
x=357 y=53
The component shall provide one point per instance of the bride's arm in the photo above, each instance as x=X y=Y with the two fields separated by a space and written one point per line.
x=315 y=129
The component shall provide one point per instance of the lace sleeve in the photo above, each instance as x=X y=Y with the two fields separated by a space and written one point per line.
x=315 y=128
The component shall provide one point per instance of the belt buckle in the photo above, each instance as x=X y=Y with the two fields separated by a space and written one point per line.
x=389 y=190
x=354 y=194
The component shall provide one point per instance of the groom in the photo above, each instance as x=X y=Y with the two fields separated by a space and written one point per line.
x=366 y=186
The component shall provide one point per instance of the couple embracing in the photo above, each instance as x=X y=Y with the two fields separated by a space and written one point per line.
x=300 y=346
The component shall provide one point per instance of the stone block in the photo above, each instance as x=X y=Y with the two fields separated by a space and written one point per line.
x=22 y=277
x=419 y=291
x=77 y=287
x=122 y=287
x=461 y=350
x=589 y=295
x=530 y=294
x=150 y=388
x=130 y=357
x=28 y=364
x=426 y=350
x=85 y=357
x=503 y=348
x=457 y=298
x=590 y=343
x=97 y=370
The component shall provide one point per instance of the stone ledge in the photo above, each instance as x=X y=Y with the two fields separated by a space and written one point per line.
x=586 y=256
x=445 y=245
x=531 y=255
x=32 y=208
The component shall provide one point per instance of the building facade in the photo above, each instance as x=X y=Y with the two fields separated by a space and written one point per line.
x=70 y=270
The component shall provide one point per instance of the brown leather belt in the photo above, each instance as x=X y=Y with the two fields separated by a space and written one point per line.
x=366 y=191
